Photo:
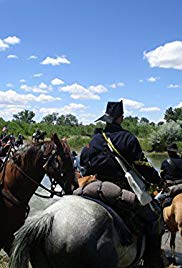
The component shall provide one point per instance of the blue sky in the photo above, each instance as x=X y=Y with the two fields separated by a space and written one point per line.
x=73 y=56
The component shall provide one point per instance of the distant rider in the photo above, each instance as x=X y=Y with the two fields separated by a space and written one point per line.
x=171 y=172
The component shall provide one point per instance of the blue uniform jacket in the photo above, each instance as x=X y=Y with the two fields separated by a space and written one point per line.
x=103 y=162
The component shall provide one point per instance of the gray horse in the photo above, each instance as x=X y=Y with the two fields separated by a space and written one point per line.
x=74 y=232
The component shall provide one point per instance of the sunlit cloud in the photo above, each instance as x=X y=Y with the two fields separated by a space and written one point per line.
x=3 y=46
x=152 y=79
x=150 y=109
x=57 y=82
x=22 y=80
x=12 y=97
x=127 y=103
x=12 y=56
x=7 y=110
x=116 y=85
x=32 y=57
x=67 y=109
x=55 y=61
x=37 y=75
x=12 y=40
x=79 y=92
x=167 y=56
x=98 y=89
x=174 y=86
x=9 y=85
x=8 y=41
x=179 y=105
x=41 y=88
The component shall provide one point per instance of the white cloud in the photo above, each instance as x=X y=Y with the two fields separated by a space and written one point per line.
x=37 y=75
x=116 y=85
x=67 y=109
x=79 y=92
x=12 y=40
x=57 y=82
x=22 y=80
x=7 y=111
x=150 y=109
x=32 y=57
x=3 y=46
x=174 y=86
x=41 y=88
x=9 y=85
x=141 y=81
x=12 y=57
x=7 y=42
x=98 y=89
x=167 y=56
x=12 y=97
x=152 y=79
x=131 y=103
x=55 y=61
x=179 y=105
x=34 y=89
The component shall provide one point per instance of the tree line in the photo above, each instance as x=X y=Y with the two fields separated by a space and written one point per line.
x=152 y=136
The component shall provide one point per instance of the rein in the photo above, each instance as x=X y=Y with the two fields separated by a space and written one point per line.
x=52 y=192
x=3 y=167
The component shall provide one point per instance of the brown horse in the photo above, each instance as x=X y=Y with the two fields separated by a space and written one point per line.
x=173 y=219
x=21 y=175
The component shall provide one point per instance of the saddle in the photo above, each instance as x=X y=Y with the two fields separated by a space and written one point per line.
x=122 y=201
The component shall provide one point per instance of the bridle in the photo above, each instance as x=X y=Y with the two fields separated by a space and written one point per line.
x=49 y=161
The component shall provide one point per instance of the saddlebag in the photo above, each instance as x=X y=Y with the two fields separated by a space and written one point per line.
x=107 y=192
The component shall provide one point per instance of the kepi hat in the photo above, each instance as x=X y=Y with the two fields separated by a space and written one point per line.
x=113 y=111
x=172 y=148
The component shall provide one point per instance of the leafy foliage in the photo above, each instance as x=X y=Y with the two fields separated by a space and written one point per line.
x=173 y=114
x=165 y=134
x=25 y=116
x=152 y=136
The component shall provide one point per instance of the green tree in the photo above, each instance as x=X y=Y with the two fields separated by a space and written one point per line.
x=131 y=123
x=173 y=114
x=71 y=120
x=165 y=134
x=50 y=118
x=144 y=120
x=25 y=116
x=60 y=120
x=68 y=120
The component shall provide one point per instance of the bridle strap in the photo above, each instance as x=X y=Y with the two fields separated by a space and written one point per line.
x=3 y=167
x=38 y=184
x=15 y=201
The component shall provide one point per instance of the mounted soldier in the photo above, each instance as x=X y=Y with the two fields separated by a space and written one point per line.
x=171 y=172
x=116 y=154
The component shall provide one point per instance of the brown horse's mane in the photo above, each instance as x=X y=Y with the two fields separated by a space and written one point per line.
x=33 y=150
x=29 y=152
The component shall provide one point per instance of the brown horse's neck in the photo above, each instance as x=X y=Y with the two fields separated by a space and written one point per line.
x=22 y=183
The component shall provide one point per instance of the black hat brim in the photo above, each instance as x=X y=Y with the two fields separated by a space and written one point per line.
x=105 y=118
x=172 y=150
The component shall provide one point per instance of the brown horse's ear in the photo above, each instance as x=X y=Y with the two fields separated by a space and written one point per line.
x=56 y=140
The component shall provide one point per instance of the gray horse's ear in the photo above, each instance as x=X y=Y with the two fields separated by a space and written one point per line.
x=58 y=143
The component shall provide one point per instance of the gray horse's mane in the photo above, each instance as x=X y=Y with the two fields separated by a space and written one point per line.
x=35 y=229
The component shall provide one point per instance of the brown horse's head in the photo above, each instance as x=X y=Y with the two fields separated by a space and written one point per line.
x=59 y=164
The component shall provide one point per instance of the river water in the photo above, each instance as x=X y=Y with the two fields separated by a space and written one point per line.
x=39 y=204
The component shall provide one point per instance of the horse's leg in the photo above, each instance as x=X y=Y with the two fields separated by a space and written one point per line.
x=39 y=258
x=172 y=246
x=8 y=244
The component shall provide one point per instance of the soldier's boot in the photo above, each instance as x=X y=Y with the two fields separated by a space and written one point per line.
x=153 y=253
